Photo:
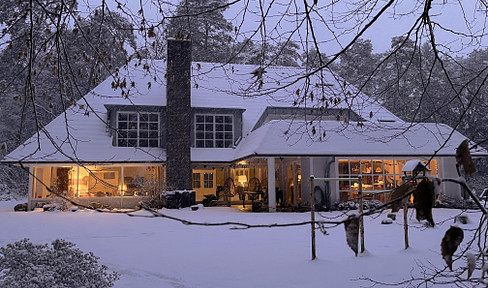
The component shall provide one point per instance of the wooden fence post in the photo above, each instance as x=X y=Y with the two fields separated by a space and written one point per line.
x=312 y=215
x=361 y=220
x=405 y=222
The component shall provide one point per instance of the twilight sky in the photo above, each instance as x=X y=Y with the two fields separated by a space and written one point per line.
x=334 y=24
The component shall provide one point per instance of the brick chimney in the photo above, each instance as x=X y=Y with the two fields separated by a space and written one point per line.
x=178 y=115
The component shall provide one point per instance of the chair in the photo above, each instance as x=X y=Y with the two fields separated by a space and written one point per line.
x=254 y=186
x=229 y=189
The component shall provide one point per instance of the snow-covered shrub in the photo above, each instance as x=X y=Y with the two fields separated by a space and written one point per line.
x=14 y=182
x=453 y=203
x=347 y=205
x=8 y=193
x=23 y=264
x=57 y=202
x=354 y=205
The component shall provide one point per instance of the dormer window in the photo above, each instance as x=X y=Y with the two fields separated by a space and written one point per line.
x=137 y=129
x=214 y=131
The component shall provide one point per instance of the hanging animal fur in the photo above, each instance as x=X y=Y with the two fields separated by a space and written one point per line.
x=453 y=237
x=471 y=259
x=463 y=157
x=423 y=201
x=352 y=232
x=398 y=193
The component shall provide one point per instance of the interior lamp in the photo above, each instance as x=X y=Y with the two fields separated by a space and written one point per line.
x=242 y=179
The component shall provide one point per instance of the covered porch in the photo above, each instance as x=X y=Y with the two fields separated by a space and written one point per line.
x=248 y=183
x=102 y=185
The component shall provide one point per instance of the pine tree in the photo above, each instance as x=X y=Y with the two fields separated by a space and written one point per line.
x=203 y=21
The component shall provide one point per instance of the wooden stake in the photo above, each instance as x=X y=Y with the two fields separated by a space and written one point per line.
x=405 y=222
x=312 y=215
x=361 y=221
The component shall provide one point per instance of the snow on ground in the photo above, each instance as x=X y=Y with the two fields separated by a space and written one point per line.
x=156 y=252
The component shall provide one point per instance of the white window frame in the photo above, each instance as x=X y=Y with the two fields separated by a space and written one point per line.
x=212 y=142
x=138 y=139
x=196 y=180
x=208 y=180
x=372 y=174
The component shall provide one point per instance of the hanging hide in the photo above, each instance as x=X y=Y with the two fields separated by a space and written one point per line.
x=398 y=193
x=471 y=259
x=352 y=232
x=423 y=201
x=463 y=157
x=453 y=237
x=437 y=185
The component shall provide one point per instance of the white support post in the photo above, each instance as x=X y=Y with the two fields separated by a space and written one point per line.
x=121 y=186
x=77 y=193
x=30 y=189
x=296 y=191
x=271 y=185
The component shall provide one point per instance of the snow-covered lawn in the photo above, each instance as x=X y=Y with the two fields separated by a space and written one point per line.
x=157 y=252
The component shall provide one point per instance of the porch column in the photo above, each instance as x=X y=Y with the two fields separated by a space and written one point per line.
x=296 y=191
x=271 y=185
x=283 y=183
x=30 y=189
x=306 y=171
x=122 y=190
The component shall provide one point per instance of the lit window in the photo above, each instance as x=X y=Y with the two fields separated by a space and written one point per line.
x=196 y=180
x=137 y=129
x=208 y=180
x=213 y=131
x=379 y=177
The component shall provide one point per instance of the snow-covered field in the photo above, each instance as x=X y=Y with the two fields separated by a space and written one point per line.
x=157 y=252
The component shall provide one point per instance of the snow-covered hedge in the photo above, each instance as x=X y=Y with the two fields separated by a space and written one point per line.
x=8 y=193
x=354 y=205
x=23 y=264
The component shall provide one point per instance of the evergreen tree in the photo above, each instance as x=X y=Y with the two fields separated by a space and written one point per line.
x=203 y=21
x=397 y=84
x=358 y=64
x=97 y=46
x=286 y=54
x=312 y=60
x=46 y=69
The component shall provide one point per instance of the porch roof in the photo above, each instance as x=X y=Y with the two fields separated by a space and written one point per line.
x=288 y=138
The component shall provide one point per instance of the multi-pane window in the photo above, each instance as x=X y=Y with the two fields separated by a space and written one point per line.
x=137 y=129
x=213 y=131
x=378 y=176
x=208 y=180
x=196 y=180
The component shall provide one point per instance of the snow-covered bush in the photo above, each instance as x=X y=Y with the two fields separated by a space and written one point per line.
x=454 y=203
x=23 y=264
x=8 y=193
x=354 y=205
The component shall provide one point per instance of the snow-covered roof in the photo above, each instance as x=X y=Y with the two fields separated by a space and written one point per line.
x=413 y=165
x=392 y=139
x=81 y=133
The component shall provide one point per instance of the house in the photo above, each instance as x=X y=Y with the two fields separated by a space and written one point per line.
x=238 y=131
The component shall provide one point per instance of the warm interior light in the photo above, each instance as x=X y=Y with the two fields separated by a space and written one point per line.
x=242 y=179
